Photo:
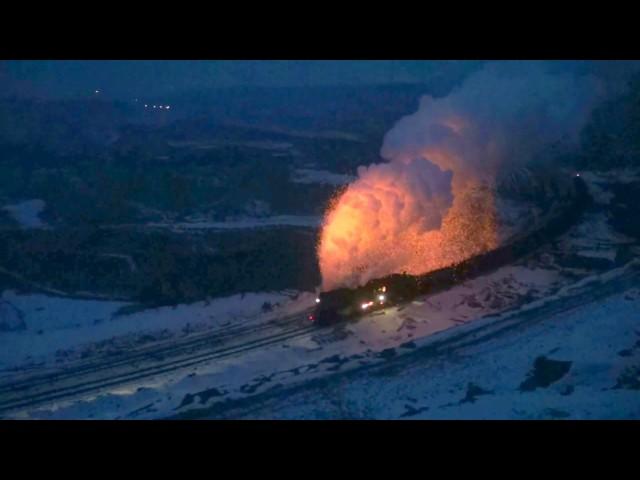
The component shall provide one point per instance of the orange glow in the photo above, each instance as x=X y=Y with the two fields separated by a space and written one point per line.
x=432 y=205
x=362 y=238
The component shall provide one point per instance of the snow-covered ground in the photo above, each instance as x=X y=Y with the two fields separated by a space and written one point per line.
x=49 y=330
x=499 y=366
x=523 y=287
x=27 y=213
x=577 y=317
x=580 y=364
x=214 y=144
x=309 y=175
x=244 y=223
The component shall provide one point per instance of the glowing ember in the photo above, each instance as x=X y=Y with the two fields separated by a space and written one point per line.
x=389 y=202
x=433 y=204
x=359 y=243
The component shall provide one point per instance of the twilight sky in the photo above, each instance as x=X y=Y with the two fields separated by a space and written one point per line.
x=125 y=78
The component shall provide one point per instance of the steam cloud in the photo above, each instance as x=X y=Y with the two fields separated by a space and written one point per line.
x=429 y=206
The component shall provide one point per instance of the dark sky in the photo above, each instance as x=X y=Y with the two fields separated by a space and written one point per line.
x=126 y=78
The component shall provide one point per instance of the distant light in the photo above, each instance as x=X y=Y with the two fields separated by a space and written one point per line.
x=145 y=105
x=577 y=174
x=97 y=91
x=317 y=300
x=154 y=106
x=366 y=305
x=161 y=106
x=135 y=100
x=168 y=107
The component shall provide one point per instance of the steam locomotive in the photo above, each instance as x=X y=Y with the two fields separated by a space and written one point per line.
x=345 y=303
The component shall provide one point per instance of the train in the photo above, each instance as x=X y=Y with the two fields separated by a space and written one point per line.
x=351 y=303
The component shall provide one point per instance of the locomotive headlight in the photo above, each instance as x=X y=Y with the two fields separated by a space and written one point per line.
x=317 y=300
x=381 y=298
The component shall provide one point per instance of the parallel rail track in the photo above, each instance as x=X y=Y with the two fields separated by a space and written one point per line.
x=143 y=353
x=88 y=382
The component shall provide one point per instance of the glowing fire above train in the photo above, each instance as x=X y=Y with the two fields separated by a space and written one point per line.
x=432 y=204
x=403 y=219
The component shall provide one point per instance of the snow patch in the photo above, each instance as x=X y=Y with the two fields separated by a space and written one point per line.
x=27 y=213
x=307 y=175
x=63 y=326
x=245 y=223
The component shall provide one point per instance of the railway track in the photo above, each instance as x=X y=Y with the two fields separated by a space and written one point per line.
x=156 y=350
x=94 y=378
x=470 y=335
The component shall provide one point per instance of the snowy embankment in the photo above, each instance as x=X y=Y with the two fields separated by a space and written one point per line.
x=44 y=331
x=331 y=360
x=27 y=213
x=580 y=364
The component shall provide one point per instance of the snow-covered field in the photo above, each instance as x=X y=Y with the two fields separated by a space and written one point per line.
x=499 y=366
x=56 y=329
x=27 y=213
x=309 y=175
x=553 y=335
x=244 y=223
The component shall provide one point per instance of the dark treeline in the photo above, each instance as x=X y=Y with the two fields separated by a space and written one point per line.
x=158 y=267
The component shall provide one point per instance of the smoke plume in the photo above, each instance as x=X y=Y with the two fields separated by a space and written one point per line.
x=432 y=204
